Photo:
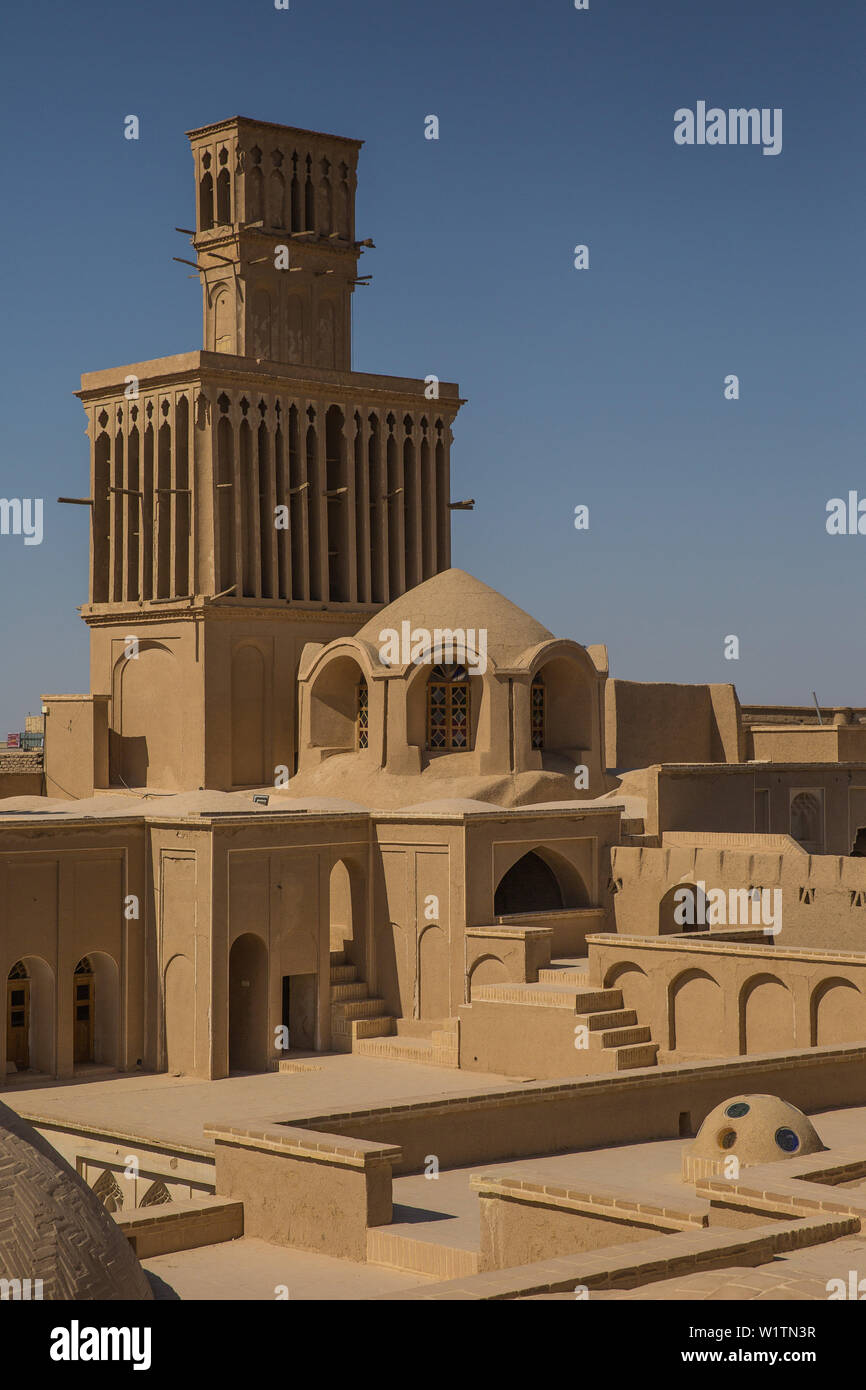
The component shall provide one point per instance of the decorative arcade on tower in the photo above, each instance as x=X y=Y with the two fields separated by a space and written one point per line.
x=256 y=495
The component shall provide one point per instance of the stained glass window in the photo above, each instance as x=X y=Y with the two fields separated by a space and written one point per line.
x=363 y=720
x=537 y=712
x=448 y=708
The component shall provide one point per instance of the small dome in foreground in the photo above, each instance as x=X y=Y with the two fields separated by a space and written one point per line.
x=751 y=1129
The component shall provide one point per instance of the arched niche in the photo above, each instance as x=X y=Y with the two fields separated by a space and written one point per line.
x=147 y=748
x=766 y=1016
x=837 y=1011
x=683 y=909
x=179 y=1002
x=539 y=881
x=487 y=970
x=568 y=695
x=695 y=1014
x=335 y=705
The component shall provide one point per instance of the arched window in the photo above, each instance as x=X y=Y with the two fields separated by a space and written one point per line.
x=363 y=719
x=205 y=204
x=448 y=708
x=224 y=197
x=536 y=715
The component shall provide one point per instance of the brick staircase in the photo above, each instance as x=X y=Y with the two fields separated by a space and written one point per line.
x=441 y=1049
x=354 y=1014
x=614 y=1032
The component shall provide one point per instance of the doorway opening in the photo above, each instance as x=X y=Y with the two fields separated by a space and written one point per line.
x=82 y=1049
x=299 y=1011
x=18 y=1016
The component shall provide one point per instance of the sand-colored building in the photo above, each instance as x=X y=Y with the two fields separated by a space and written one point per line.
x=327 y=792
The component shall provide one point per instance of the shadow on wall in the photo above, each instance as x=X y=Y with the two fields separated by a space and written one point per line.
x=540 y=881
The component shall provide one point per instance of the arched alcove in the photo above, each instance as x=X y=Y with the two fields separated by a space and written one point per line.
x=539 y=881
x=567 y=695
x=837 y=1012
x=335 y=706
x=695 y=1013
x=433 y=973
x=766 y=1016
x=147 y=750
x=635 y=987
x=488 y=970
x=683 y=909
x=179 y=995
x=347 y=909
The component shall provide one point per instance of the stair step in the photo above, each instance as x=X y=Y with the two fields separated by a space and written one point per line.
x=614 y=1018
x=343 y=974
x=408 y=1050
x=356 y=1008
x=338 y=957
x=640 y=1055
x=355 y=989
x=551 y=996
x=566 y=969
x=392 y=1251
x=624 y=1037
x=380 y=1026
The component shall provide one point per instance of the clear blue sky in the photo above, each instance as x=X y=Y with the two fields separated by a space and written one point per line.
x=603 y=387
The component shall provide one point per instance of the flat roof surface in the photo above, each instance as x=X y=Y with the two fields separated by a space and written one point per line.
x=158 y=1107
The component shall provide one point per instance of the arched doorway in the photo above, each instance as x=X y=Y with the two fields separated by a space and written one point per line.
x=30 y=1016
x=82 y=1018
x=95 y=1011
x=346 y=910
x=248 y=1004
x=18 y=1016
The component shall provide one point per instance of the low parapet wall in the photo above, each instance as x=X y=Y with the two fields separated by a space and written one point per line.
x=592 y=1112
x=314 y=1192
x=630 y=1266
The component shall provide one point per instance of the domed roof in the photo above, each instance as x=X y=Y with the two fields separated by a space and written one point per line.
x=54 y=1228
x=455 y=599
x=750 y=1129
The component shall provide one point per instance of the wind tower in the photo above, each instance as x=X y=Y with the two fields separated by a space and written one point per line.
x=258 y=494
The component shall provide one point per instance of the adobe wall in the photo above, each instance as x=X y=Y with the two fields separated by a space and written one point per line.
x=180 y=960
x=250 y=693
x=525 y=1218
x=419 y=912
x=21 y=774
x=595 y=1112
x=705 y=999
x=156 y=738
x=272 y=887
x=822 y=903
x=60 y=904
x=425 y=963
x=648 y=722
x=76 y=750
x=286 y=1178
x=704 y=799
